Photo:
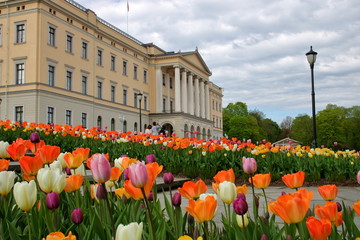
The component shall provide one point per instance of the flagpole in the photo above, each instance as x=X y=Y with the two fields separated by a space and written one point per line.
x=127 y=18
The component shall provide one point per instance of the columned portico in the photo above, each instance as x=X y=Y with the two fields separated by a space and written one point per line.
x=202 y=99
x=158 y=90
x=207 y=101
x=177 y=90
x=191 y=94
x=184 y=92
x=197 y=97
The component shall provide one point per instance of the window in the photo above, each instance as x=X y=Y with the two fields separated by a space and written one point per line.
x=99 y=89
x=171 y=82
x=213 y=104
x=84 y=50
x=163 y=79
x=19 y=113
x=112 y=124
x=112 y=63
x=145 y=102
x=83 y=119
x=20 y=33
x=145 y=76
x=68 y=117
x=69 y=43
x=135 y=100
x=51 y=37
x=125 y=96
x=164 y=105
x=84 y=84
x=99 y=122
x=135 y=72
x=124 y=126
x=20 y=73
x=50 y=115
x=112 y=93
x=135 y=127
x=171 y=106
x=124 y=68
x=51 y=75
x=214 y=121
x=1 y=35
x=99 y=57
x=216 y=106
x=68 y=80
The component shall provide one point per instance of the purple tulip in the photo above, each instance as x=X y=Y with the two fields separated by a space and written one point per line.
x=77 y=216
x=138 y=174
x=176 y=199
x=100 y=168
x=52 y=200
x=240 y=206
x=168 y=178
x=249 y=165
x=34 y=137
x=358 y=177
x=150 y=158
x=150 y=197
x=101 y=191
x=339 y=207
x=241 y=195
x=68 y=171
x=126 y=174
x=264 y=237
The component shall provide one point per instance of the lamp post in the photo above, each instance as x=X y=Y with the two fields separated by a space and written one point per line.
x=139 y=97
x=311 y=57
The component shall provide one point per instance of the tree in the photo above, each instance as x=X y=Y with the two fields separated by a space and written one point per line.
x=286 y=127
x=302 y=129
x=245 y=127
x=230 y=111
x=271 y=129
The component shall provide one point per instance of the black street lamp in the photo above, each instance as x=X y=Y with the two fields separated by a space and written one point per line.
x=311 y=57
x=139 y=96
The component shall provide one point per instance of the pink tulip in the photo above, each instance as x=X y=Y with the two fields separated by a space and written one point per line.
x=77 y=216
x=249 y=165
x=138 y=174
x=168 y=178
x=358 y=177
x=100 y=168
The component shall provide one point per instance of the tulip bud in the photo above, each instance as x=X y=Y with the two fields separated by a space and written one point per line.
x=283 y=193
x=264 y=237
x=77 y=216
x=249 y=165
x=150 y=197
x=52 y=200
x=100 y=168
x=241 y=195
x=68 y=171
x=126 y=174
x=25 y=194
x=227 y=192
x=256 y=201
x=358 y=177
x=101 y=192
x=6 y=182
x=150 y=158
x=242 y=220
x=168 y=178
x=138 y=174
x=131 y=231
x=339 y=207
x=176 y=199
x=34 y=137
x=240 y=206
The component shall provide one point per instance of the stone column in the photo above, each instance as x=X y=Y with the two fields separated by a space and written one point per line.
x=197 y=97
x=177 y=89
x=191 y=94
x=184 y=92
x=167 y=79
x=207 y=101
x=202 y=99
x=158 y=89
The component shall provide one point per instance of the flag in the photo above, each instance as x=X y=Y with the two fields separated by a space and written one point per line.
x=128 y=6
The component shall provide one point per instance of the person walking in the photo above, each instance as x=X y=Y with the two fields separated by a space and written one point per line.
x=155 y=129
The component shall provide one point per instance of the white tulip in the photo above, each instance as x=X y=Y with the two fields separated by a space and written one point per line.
x=132 y=231
x=6 y=182
x=51 y=180
x=240 y=222
x=61 y=159
x=227 y=192
x=3 y=147
x=25 y=194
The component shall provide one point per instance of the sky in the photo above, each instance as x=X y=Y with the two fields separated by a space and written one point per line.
x=256 y=49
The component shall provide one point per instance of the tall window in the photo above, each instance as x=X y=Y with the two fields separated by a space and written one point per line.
x=171 y=82
x=68 y=80
x=135 y=100
x=124 y=126
x=99 y=89
x=99 y=122
x=135 y=72
x=112 y=93
x=84 y=84
x=171 y=106
x=112 y=63
x=135 y=127
x=51 y=75
x=69 y=43
x=51 y=37
x=125 y=96
x=20 y=73
x=145 y=102
x=164 y=105
x=50 y=115
x=112 y=124
x=83 y=119
x=1 y=35
x=20 y=33
x=68 y=117
x=124 y=68
x=163 y=79
x=84 y=50
x=99 y=57
x=145 y=76
x=19 y=113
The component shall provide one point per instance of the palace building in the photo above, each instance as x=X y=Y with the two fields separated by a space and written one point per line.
x=62 y=64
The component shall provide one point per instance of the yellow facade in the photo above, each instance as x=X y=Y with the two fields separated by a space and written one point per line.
x=61 y=64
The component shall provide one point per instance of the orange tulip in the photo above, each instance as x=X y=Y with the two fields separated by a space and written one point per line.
x=328 y=192
x=202 y=210
x=33 y=147
x=30 y=165
x=4 y=164
x=122 y=192
x=292 y=207
x=261 y=181
x=242 y=189
x=223 y=176
x=339 y=219
x=356 y=207
x=73 y=161
x=48 y=153
x=83 y=152
x=329 y=211
x=156 y=168
x=115 y=174
x=59 y=236
x=74 y=182
x=16 y=150
x=318 y=229
x=295 y=180
x=191 y=190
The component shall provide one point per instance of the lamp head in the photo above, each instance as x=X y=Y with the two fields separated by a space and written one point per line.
x=311 y=56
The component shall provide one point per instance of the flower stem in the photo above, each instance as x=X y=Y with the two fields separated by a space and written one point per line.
x=28 y=220
x=243 y=229
x=206 y=231
x=254 y=201
x=266 y=202
x=152 y=233
x=109 y=209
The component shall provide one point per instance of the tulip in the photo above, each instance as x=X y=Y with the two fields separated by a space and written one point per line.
x=264 y=237
x=34 y=137
x=126 y=174
x=4 y=164
x=318 y=229
x=100 y=168
x=16 y=150
x=25 y=195
x=223 y=176
x=56 y=165
x=59 y=236
x=191 y=190
x=186 y=237
x=48 y=153
x=249 y=165
x=77 y=216
x=51 y=180
x=227 y=192
x=6 y=182
x=261 y=181
x=3 y=148
x=121 y=192
x=329 y=211
x=138 y=174
x=115 y=173
x=30 y=165
x=74 y=182
x=242 y=220
x=242 y=189
x=61 y=159
x=202 y=210
x=328 y=192
x=295 y=180
x=339 y=206
x=52 y=200
x=356 y=207
x=168 y=178
x=132 y=231
x=358 y=177
x=176 y=199
x=101 y=191
x=240 y=206
x=150 y=158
